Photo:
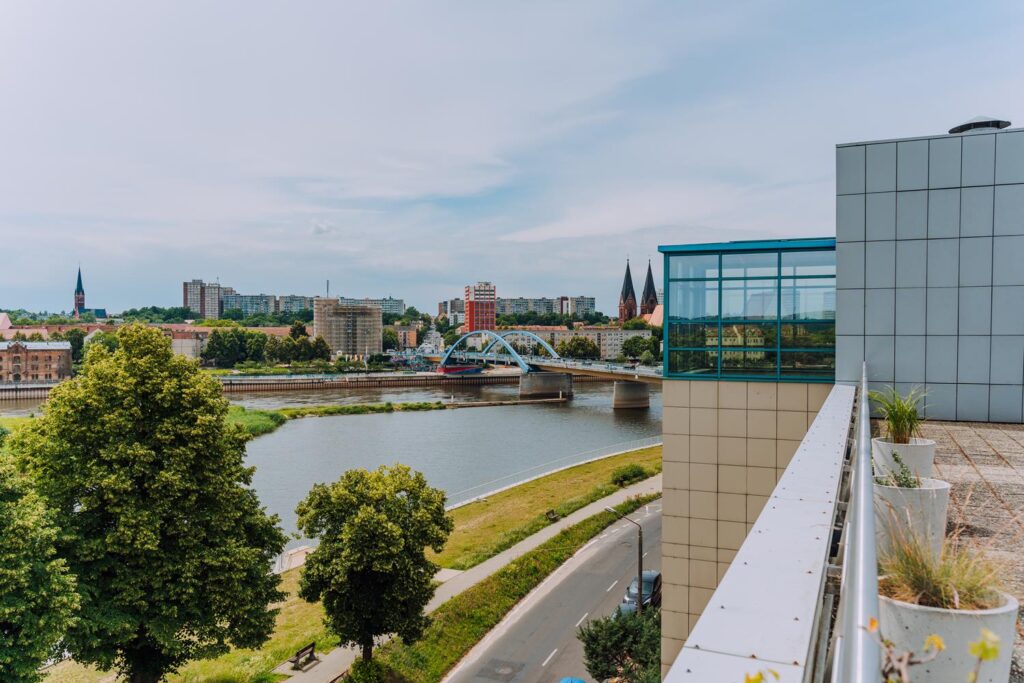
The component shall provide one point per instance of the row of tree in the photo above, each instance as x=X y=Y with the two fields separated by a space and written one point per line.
x=131 y=538
x=229 y=346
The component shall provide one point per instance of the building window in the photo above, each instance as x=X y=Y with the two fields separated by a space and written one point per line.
x=759 y=314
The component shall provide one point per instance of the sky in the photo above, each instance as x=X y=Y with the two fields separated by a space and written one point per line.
x=408 y=149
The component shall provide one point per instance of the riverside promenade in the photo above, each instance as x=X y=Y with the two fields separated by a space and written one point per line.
x=336 y=662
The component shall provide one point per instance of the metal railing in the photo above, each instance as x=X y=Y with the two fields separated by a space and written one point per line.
x=857 y=655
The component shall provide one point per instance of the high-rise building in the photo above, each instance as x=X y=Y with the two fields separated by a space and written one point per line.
x=348 y=330
x=192 y=295
x=249 y=304
x=210 y=306
x=649 y=299
x=582 y=306
x=481 y=307
x=627 y=297
x=293 y=303
x=387 y=305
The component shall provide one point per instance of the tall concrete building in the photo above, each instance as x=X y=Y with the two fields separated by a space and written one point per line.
x=481 y=307
x=582 y=305
x=454 y=310
x=192 y=295
x=348 y=330
x=930 y=249
x=387 y=305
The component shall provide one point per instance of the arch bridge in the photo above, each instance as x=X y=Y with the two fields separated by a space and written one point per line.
x=497 y=339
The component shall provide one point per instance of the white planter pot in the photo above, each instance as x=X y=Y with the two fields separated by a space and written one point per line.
x=911 y=514
x=908 y=625
x=918 y=455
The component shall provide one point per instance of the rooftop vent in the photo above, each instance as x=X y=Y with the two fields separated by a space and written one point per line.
x=978 y=122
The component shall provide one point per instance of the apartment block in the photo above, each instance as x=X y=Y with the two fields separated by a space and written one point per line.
x=34 y=361
x=351 y=331
x=481 y=306
x=387 y=305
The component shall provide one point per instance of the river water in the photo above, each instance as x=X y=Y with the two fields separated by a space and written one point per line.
x=466 y=452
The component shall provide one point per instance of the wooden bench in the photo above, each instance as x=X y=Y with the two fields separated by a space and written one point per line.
x=304 y=656
x=552 y=516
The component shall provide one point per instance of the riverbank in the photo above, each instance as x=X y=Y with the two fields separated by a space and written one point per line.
x=299 y=622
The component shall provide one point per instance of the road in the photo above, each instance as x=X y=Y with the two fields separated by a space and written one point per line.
x=537 y=642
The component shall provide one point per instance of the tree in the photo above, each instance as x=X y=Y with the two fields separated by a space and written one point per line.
x=578 y=347
x=634 y=346
x=390 y=339
x=36 y=336
x=451 y=336
x=321 y=349
x=624 y=646
x=298 y=330
x=39 y=598
x=233 y=314
x=635 y=324
x=647 y=358
x=107 y=340
x=76 y=337
x=370 y=569
x=158 y=521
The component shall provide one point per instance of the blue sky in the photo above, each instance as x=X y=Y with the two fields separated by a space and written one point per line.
x=408 y=149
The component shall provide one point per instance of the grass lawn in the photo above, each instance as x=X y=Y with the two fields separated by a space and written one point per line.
x=255 y=422
x=298 y=623
x=460 y=623
x=485 y=528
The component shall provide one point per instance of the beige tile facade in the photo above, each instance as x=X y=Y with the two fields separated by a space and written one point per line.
x=725 y=446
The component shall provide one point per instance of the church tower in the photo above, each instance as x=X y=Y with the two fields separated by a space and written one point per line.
x=649 y=300
x=627 y=298
x=79 y=295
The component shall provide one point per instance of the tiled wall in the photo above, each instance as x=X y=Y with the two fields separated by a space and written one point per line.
x=725 y=446
x=930 y=261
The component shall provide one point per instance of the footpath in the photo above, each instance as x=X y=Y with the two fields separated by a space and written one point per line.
x=336 y=662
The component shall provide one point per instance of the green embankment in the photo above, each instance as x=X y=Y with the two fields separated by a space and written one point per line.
x=460 y=623
x=486 y=527
x=482 y=529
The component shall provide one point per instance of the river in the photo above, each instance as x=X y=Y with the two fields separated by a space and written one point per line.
x=466 y=452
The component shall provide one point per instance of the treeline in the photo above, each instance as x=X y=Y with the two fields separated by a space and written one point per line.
x=230 y=346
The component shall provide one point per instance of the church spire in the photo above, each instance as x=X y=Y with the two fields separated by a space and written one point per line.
x=649 y=300
x=627 y=297
x=78 y=288
x=79 y=295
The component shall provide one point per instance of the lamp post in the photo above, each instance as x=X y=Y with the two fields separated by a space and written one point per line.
x=639 y=558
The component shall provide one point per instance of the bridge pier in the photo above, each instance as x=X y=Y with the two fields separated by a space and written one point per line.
x=545 y=385
x=630 y=395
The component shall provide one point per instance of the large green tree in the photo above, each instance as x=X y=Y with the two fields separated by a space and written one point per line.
x=159 y=524
x=389 y=339
x=634 y=346
x=370 y=569
x=76 y=337
x=626 y=647
x=38 y=592
x=578 y=347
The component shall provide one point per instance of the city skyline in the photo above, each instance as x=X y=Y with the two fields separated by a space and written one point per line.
x=620 y=129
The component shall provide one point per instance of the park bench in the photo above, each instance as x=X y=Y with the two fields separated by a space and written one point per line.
x=304 y=656
x=552 y=516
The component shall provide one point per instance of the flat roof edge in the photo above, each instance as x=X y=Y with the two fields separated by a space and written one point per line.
x=752 y=245
x=936 y=136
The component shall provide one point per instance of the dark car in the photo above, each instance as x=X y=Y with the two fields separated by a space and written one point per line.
x=652 y=589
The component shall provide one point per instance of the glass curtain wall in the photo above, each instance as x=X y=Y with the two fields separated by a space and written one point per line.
x=758 y=315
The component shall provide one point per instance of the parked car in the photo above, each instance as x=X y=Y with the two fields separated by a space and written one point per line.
x=652 y=589
x=624 y=609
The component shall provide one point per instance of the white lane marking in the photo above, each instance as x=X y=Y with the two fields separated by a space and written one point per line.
x=585 y=615
x=545 y=662
x=609 y=589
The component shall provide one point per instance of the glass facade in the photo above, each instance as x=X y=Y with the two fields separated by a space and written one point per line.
x=751 y=311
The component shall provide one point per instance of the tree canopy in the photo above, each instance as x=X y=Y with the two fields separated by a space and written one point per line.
x=389 y=339
x=626 y=646
x=370 y=569
x=39 y=598
x=634 y=346
x=578 y=347
x=158 y=521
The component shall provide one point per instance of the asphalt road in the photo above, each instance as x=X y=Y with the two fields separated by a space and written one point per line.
x=537 y=642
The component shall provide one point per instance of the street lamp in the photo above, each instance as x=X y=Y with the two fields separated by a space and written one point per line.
x=639 y=558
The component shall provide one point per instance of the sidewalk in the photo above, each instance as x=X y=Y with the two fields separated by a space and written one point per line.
x=336 y=662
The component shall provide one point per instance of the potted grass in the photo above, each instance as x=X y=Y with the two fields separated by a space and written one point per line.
x=909 y=507
x=956 y=595
x=902 y=418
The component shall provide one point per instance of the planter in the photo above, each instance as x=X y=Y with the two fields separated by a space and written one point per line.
x=911 y=514
x=907 y=626
x=918 y=455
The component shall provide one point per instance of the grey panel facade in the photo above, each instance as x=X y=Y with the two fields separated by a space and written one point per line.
x=930 y=270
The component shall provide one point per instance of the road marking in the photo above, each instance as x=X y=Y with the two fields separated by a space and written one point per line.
x=545 y=662
x=609 y=589
x=645 y=554
x=581 y=620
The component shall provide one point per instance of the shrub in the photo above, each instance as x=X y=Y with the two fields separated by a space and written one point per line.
x=371 y=671
x=3 y=435
x=627 y=474
x=960 y=578
x=901 y=413
x=903 y=477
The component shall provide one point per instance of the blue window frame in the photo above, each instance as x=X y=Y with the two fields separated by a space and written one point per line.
x=762 y=311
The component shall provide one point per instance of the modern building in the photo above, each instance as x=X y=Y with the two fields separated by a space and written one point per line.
x=249 y=304
x=387 y=305
x=79 y=308
x=293 y=303
x=581 y=306
x=749 y=341
x=454 y=310
x=209 y=300
x=34 y=361
x=561 y=305
x=627 y=297
x=930 y=234
x=481 y=311
x=351 y=331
